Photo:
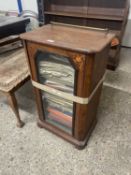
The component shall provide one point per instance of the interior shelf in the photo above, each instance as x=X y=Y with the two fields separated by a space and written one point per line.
x=59 y=13
x=88 y=16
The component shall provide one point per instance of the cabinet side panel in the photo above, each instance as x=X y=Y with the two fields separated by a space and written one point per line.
x=86 y=114
x=99 y=66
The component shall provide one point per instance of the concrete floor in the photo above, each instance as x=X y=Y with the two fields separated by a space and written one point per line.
x=35 y=151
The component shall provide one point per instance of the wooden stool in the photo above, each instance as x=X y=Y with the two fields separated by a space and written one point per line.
x=13 y=74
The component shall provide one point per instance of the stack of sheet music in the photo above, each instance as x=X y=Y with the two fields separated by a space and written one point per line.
x=58 y=73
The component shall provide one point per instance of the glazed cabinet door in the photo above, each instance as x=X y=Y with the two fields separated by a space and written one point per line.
x=59 y=70
x=56 y=71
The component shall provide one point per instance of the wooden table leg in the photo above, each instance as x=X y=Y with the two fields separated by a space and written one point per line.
x=13 y=104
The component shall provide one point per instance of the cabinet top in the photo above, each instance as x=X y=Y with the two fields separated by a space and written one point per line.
x=85 y=40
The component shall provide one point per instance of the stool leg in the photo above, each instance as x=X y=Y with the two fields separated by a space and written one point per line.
x=13 y=104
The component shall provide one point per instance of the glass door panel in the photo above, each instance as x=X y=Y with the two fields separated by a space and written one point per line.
x=57 y=72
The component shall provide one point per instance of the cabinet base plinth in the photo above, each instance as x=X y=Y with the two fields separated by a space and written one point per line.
x=112 y=67
x=78 y=144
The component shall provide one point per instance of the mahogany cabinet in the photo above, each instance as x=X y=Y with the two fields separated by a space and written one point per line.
x=67 y=66
x=111 y=14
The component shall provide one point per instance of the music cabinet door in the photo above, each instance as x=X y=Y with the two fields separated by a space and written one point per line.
x=58 y=70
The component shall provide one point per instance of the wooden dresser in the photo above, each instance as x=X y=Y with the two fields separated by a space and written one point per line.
x=67 y=66
x=93 y=13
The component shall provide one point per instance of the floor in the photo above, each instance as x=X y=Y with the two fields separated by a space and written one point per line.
x=35 y=151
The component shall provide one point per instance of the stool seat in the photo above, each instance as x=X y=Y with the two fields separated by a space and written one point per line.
x=13 y=69
x=13 y=74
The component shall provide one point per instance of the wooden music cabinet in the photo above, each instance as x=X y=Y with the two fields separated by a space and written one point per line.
x=110 y=14
x=67 y=66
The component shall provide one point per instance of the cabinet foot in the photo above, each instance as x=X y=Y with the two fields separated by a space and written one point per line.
x=20 y=124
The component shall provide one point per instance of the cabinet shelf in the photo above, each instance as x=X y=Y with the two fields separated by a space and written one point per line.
x=89 y=15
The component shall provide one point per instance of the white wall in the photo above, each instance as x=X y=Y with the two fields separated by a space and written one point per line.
x=30 y=5
x=130 y=11
x=127 y=35
x=6 y=5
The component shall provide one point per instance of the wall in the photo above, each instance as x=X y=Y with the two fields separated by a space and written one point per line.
x=130 y=15
x=127 y=35
x=6 y=5
x=30 y=5
x=130 y=11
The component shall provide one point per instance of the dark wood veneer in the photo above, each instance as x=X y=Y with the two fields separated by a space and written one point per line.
x=95 y=13
x=90 y=60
